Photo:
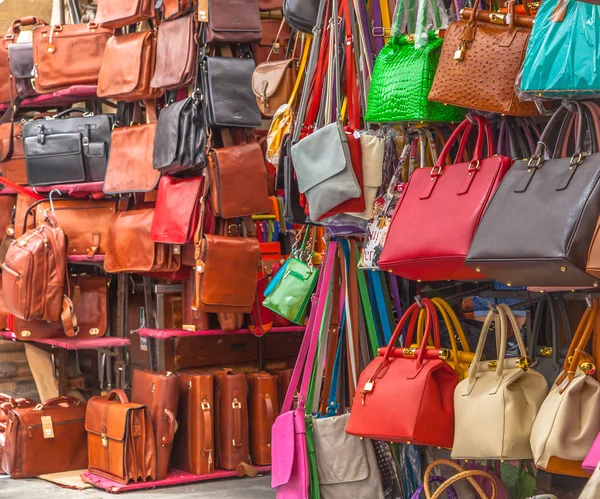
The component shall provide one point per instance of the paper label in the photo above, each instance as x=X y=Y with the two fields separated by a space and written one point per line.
x=47 y=427
x=203 y=11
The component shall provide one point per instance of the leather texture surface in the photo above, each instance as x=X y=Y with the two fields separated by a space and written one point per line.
x=231 y=417
x=67 y=150
x=128 y=66
x=496 y=408
x=238 y=177
x=84 y=222
x=235 y=21
x=177 y=210
x=194 y=450
x=301 y=14
x=172 y=9
x=228 y=280
x=91 y=305
x=437 y=216
x=566 y=426
x=402 y=79
x=71 y=42
x=159 y=392
x=228 y=97
x=34 y=330
x=114 y=14
x=495 y=53
x=121 y=445
x=130 y=163
x=27 y=447
x=372 y=152
x=193 y=320
x=13 y=168
x=263 y=399
x=346 y=465
x=272 y=84
x=429 y=383
x=324 y=170
x=180 y=139
x=34 y=272
x=270 y=28
x=176 y=53
x=21 y=67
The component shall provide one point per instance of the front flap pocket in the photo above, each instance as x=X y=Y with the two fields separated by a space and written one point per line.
x=267 y=77
x=52 y=145
x=283 y=438
x=167 y=135
x=21 y=59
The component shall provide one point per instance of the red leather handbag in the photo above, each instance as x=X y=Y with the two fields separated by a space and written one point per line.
x=177 y=207
x=406 y=399
x=438 y=214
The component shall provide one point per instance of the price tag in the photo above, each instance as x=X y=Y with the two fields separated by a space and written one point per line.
x=203 y=11
x=47 y=427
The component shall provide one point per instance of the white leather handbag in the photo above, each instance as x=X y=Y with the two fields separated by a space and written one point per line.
x=569 y=420
x=495 y=407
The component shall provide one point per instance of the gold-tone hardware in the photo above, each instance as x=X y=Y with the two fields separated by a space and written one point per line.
x=477 y=269
x=538 y=163
x=236 y=404
x=104 y=440
x=445 y=354
x=369 y=385
x=94 y=331
x=523 y=363
x=546 y=352
x=39 y=407
x=188 y=327
x=570 y=359
x=588 y=368
x=436 y=171
x=474 y=166
x=459 y=54
x=408 y=442
x=205 y=406
x=408 y=352
x=509 y=284
x=496 y=18
x=493 y=365
x=563 y=269
x=410 y=39
x=25 y=334
x=419 y=280
x=595 y=284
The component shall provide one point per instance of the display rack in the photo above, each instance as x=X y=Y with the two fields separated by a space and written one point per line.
x=61 y=98
x=164 y=334
x=174 y=477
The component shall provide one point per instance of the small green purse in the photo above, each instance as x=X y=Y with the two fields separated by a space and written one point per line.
x=402 y=79
x=292 y=293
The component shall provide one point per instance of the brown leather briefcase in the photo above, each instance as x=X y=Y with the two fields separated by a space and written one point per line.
x=263 y=400
x=159 y=392
x=194 y=443
x=49 y=438
x=231 y=419
x=121 y=443
x=7 y=403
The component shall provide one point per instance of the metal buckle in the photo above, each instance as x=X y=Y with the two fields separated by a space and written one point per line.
x=378 y=31
x=236 y=404
x=530 y=162
x=576 y=159
x=205 y=406
x=104 y=440
x=436 y=171
x=474 y=166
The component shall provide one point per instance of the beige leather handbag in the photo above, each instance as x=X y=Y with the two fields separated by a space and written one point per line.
x=495 y=407
x=569 y=420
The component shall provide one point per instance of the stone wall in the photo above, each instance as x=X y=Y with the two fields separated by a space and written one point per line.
x=14 y=9
x=15 y=376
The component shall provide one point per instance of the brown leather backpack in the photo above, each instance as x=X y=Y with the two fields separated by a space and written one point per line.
x=34 y=275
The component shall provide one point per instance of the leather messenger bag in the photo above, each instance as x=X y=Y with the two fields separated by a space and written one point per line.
x=121 y=445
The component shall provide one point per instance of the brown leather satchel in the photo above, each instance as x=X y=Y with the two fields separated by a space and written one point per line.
x=235 y=191
x=192 y=320
x=84 y=222
x=12 y=154
x=7 y=94
x=90 y=298
x=231 y=419
x=176 y=53
x=56 y=47
x=128 y=66
x=272 y=84
x=114 y=14
x=121 y=445
x=234 y=21
x=480 y=60
x=35 y=330
x=34 y=273
x=130 y=248
x=264 y=409
x=194 y=443
x=159 y=392
x=226 y=274
x=49 y=438
x=7 y=403
x=276 y=36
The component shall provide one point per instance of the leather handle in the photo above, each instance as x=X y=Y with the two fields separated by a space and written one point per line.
x=117 y=393
x=69 y=111
x=15 y=27
x=7 y=398
x=61 y=400
x=451 y=464
x=466 y=126
x=468 y=474
x=173 y=427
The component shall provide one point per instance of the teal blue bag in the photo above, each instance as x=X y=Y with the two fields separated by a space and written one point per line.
x=563 y=55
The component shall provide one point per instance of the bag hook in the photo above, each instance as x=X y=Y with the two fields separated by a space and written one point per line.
x=50 y=198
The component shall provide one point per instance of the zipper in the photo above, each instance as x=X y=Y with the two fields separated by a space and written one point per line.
x=30 y=428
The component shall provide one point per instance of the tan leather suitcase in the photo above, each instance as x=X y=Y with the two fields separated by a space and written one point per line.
x=263 y=401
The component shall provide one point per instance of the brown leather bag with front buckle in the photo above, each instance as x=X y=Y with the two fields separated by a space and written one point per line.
x=90 y=299
x=49 y=438
x=233 y=21
x=56 y=47
x=264 y=409
x=121 y=445
x=231 y=419
x=194 y=442
x=128 y=67
x=159 y=392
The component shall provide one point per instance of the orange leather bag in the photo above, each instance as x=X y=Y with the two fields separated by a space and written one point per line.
x=264 y=409
x=68 y=54
x=114 y=14
x=128 y=67
x=12 y=154
x=130 y=248
x=121 y=445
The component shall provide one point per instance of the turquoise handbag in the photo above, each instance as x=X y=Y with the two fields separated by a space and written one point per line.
x=564 y=50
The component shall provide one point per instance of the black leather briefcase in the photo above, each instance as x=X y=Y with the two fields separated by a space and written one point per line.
x=64 y=150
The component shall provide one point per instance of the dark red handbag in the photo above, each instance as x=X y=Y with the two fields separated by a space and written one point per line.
x=177 y=207
x=439 y=211
x=406 y=399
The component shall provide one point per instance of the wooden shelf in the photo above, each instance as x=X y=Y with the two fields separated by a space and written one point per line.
x=75 y=343
x=164 y=334
x=62 y=98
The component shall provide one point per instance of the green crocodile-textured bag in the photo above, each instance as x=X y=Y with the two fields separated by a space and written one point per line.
x=402 y=79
